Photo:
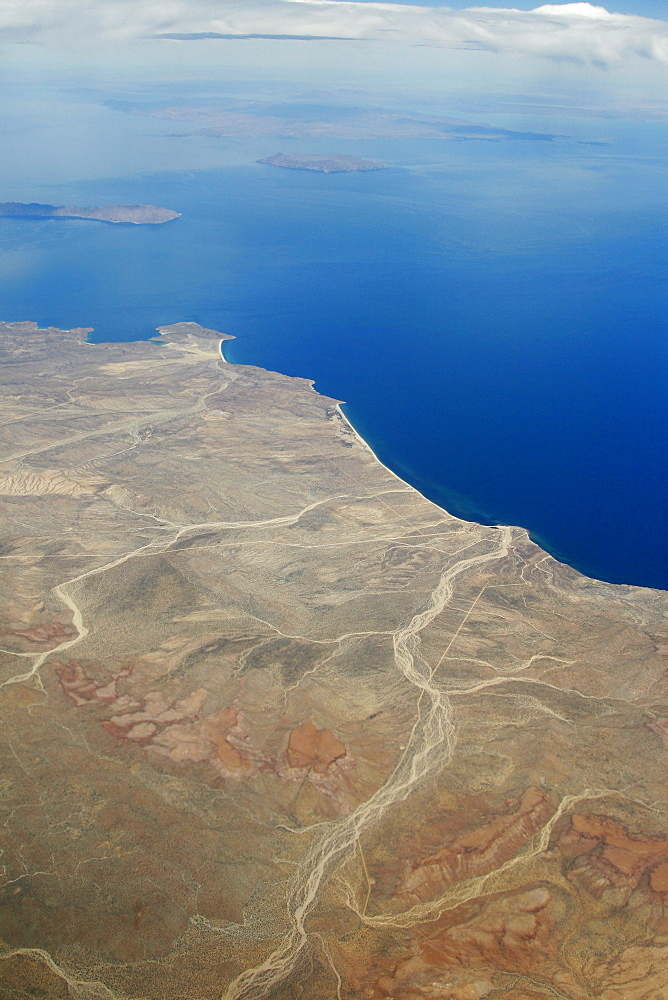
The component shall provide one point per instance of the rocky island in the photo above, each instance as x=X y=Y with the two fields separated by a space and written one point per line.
x=338 y=163
x=274 y=725
x=137 y=214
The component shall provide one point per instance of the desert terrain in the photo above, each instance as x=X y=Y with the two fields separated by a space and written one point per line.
x=274 y=725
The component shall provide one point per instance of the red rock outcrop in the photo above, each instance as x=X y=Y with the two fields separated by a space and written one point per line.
x=478 y=851
x=458 y=960
x=85 y=690
x=173 y=728
x=505 y=934
x=46 y=634
x=613 y=858
x=313 y=749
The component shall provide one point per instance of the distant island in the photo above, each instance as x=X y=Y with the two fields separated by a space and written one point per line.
x=137 y=214
x=322 y=121
x=322 y=163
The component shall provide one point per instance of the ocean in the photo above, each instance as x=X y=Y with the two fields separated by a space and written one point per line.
x=493 y=314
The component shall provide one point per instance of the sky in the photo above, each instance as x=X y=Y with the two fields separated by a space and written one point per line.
x=579 y=30
x=642 y=8
x=577 y=47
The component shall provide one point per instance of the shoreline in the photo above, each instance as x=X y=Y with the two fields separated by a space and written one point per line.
x=365 y=444
x=222 y=338
x=455 y=517
x=263 y=633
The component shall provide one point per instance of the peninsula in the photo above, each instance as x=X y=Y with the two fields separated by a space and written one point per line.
x=137 y=214
x=276 y=726
x=338 y=163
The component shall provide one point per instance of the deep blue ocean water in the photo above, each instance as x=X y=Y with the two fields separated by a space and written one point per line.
x=493 y=315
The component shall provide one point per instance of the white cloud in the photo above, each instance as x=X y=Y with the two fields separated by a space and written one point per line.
x=580 y=32
x=573 y=10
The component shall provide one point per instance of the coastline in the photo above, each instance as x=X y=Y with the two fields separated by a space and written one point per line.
x=532 y=537
x=309 y=706
x=463 y=520
x=359 y=438
x=365 y=444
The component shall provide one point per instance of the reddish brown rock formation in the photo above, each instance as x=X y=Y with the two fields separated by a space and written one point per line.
x=173 y=728
x=505 y=935
x=659 y=878
x=207 y=740
x=456 y=959
x=48 y=633
x=84 y=690
x=313 y=748
x=613 y=857
x=478 y=851
x=328 y=777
